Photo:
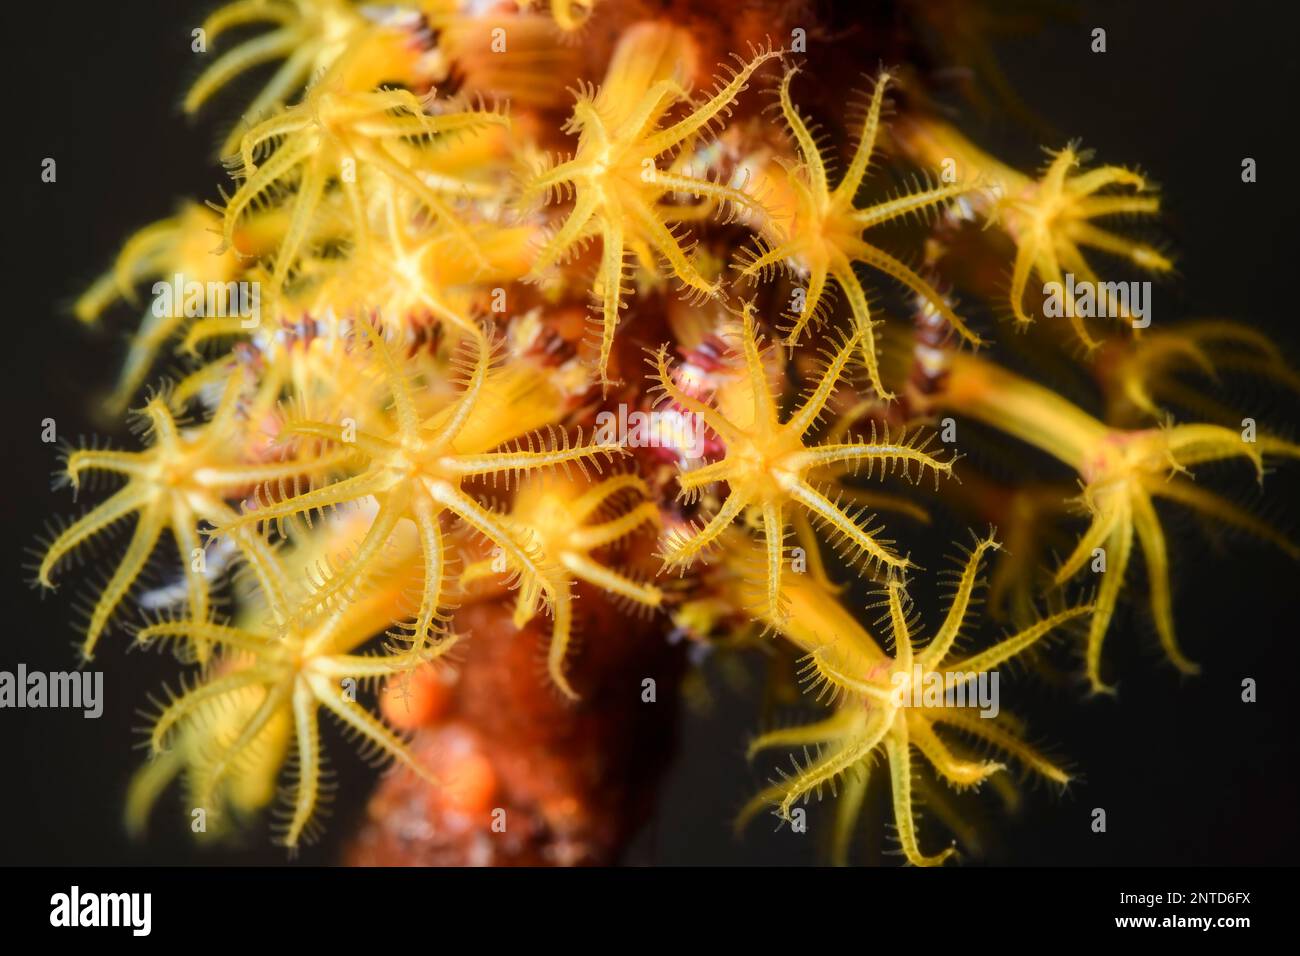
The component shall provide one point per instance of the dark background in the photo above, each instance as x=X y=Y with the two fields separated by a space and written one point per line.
x=1187 y=773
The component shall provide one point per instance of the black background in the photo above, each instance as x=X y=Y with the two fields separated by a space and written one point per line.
x=1187 y=774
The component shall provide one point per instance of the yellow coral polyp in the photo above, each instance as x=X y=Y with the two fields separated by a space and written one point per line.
x=1051 y=222
x=1121 y=471
x=180 y=482
x=402 y=274
x=1145 y=376
x=617 y=177
x=298 y=669
x=415 y=469
x=877 y=710
x=338 y=138
x=824 y=235
x=564 y=521
x=767 y=466
x=184 y=245
x=215 y=724
x=310 y=36
x=1051 y=219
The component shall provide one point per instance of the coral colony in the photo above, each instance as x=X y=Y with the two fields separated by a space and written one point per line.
x=530 y=346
